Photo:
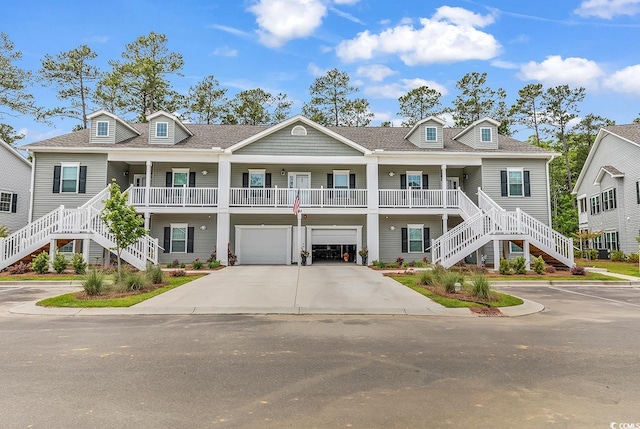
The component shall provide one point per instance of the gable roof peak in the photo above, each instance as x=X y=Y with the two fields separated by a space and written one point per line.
x=172 y=117
x=422 y=121
x=114 y=117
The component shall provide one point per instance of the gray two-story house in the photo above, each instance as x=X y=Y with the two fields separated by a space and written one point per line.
x=444 y=194
x=15 y=188
x=608 y=189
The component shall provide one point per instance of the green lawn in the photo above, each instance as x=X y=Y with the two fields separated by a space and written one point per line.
x=70 y=300
x=410 y=281
x=542 y=277
x=615 y=267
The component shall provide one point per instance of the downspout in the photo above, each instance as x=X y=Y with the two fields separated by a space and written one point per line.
x=31 y=188
x=546 y=167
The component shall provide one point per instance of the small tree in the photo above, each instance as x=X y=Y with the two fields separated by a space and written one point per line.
x=126 y=226
x=585 y=237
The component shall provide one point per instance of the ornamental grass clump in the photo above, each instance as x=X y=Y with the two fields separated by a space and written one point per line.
x=94 y=283
x=480 y=287
x=155 y=274
x=449 y=280
x=133 y=281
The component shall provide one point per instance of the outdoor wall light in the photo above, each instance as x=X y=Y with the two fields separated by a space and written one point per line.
x=282 y=173
x=204 y=172
x=392 y=228
x=125 y=173
x=391 y=174
x=203 y=227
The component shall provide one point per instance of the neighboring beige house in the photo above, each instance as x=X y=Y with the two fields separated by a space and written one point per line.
x=445 y=194
x=608 y=189
x=15 y=185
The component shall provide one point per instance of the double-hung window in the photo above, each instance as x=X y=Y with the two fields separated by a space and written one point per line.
x=431 y=134
x=256 y=178
x=5 y=201
x=595 y=204
x=180 y=177
x=611 y=240
x=162 y=129
x=414 y=179
x=178 y=238
x=102 y=129
x=514 y=181
x=416 y=239
x=583 y=205
x=341 y=179
x=609 y=199
x=485 y=135
x=69 y=178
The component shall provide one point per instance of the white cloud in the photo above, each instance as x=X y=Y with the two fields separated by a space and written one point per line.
x=557 y=71
x=349 y=2
x=230 y=30
x=625 y=81
x=346 y=15
x=607 y=9
x=284 y=20
x=449 y=36
x=375 y=72
x=316 y=71
x=225 y=51
x=504 y=65
x=400 y=88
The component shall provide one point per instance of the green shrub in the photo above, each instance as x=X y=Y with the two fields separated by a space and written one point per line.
x=618 y=256
x=481 y=287
x=633 y=258
x=505 y=267
x=578 y=270
x=214 y=264
x=94 y=283
x=197 y=264
x=183 y=265
x=520 y=265
x=178 y=273
x=133 y=281
x=449 y=280
x=538 y=265
x=378 y=264
x=420 y=264
x=78 y=264
x=40 y=263
x=60 y=263
x=592 y=254
x=579 y=253
x=155 y=274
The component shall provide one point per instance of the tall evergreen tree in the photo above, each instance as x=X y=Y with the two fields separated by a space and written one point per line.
x=476 y=100
x=9 y=135
x=206 y=101
x=417 y=104
x=257 y=107
x=527 y=109
x=330 y=99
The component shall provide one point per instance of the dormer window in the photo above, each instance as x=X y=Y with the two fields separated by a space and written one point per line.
x=431 y=134
x=162 y=129
x=485 y=135
x=102 y=129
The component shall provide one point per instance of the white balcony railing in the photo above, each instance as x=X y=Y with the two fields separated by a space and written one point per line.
x=284 y=197
x=411 y=198
x=173 y=197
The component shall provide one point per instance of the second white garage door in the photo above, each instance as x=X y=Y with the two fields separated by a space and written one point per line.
x=263 y=245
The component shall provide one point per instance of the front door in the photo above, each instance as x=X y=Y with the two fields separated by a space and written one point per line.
x=453 y=183
x=301 y=181
x=139 y=180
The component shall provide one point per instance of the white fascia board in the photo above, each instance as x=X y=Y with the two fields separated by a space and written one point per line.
x=479 y=121
x=114 y=117
x=590 y=156
x=172 y=117
x=278 y=159
x=422 y=121
x=15 y=152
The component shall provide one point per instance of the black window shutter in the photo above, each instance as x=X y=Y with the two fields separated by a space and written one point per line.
x=614 y=202
x=503 y=182
x=352 y=181
x=403 y=181
x=426 y=239
x=330 y=180
x=425 y=181
x=267 y=180
x=190 y=232
x=405 y=240
x=57 y=171
x=168 y=179
x=167 y=239
x=82 y=183
x=638 y=191
x=192 y=179
x=245 y=180
x=527 y=183
x=14 y=203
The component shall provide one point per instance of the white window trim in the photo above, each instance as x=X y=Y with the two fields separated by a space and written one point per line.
x=409 y=228
x=425 y=134
x=10 y=200
x=583 y=198
x=414 y=173
x=521 y=171
x=179 y=170
x=73 y=248
x=598 y=196
x=341 y=172
x=159 y=136
x=490 y=134
x=298 y=131
x=608 y=233
x=98 y=127
x=293 y=174
x=511 y=250
x=261 y=171
x=611 y=196
x=63 y=165
x=186 y=235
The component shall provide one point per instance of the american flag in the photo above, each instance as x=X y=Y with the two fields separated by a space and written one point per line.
x=296 y=204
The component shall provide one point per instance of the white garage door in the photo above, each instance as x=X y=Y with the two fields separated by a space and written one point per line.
x=334 y=236
x=265 y=245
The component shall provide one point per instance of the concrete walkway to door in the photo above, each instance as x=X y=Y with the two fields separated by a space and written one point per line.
x=329 y=289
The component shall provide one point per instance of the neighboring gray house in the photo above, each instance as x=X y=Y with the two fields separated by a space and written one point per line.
x=445 y=194
x=15 y=185
x=608 y=188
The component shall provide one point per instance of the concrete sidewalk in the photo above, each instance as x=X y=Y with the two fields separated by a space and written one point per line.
x=318 y=289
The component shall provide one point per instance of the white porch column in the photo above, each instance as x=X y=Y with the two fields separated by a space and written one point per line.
x=85 y=249
x=527 y=253
x=445 y=223
x=147 y=219
x=373 y=211
x=147 y=185
x=224 y=218
x=444 y=185
x=496 y=255
x=52 y=252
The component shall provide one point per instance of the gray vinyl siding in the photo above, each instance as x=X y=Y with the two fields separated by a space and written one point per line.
x=283 y=143
x=123 y=133
x=204 y=242
x=468 y=139
x=419 y=138
x=388 y=182
x=15 y=179
x=625 y=219
x=44 y=200
x=391 y=241
x=116 y=170
x=180 y=134
x=170 y=139
x=537 y=205
x=318 y=173
x=493 y=144
x=111 y=138
x=472 y=183
x=159 y=170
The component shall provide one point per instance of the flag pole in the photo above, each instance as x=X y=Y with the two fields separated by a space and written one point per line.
x=299 y=238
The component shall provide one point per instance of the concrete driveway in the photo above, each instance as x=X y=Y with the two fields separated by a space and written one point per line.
x=335 y=289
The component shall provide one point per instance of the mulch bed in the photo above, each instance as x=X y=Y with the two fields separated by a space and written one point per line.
x=110 y=295
x=486 y=311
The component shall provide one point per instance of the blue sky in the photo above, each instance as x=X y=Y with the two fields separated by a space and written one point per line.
x=387 y=47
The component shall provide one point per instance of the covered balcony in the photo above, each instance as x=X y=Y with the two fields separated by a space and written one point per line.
x=285 y=197
x=159 y=196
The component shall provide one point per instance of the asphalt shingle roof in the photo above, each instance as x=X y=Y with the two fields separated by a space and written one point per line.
x=629 y=131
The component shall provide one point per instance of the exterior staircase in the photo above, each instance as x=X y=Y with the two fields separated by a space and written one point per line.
x=492 y=222
x=83 y=222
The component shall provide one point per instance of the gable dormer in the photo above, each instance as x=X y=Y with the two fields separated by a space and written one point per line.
x=109 y=128
x=164 y=128
x=482 y=134
x=427 y=133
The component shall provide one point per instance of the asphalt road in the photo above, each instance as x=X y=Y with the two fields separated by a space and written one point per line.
x=575 y=365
